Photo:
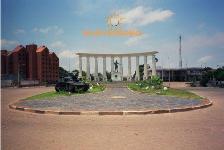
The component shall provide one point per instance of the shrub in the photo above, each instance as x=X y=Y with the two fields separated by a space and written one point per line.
x=155 y=82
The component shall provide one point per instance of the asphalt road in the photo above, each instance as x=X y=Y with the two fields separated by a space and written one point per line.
x=192 y=130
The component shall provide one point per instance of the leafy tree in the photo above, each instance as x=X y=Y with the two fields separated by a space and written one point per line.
x=141 y=71
x=108 y=75
x=92 y=77
x=100 y=76
x=133 y=77
x=62 y=72
x=76 y=73
x=207 y=75
x=219 y=74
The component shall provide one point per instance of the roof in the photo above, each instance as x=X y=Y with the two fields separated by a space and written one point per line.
x=4 y=52
x=179 y=69
x=18 y=48
x=41 y=48
x=117 y=55
x=53 y=54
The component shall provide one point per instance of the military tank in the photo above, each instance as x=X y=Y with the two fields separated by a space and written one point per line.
x=73 y=85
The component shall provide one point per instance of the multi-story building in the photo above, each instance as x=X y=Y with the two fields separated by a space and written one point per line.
x=4 y=54
x=30 y=63
x=17 y=62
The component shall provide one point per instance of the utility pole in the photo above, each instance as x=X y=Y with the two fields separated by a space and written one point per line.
x=169 y=69
x=162 y=69
x=180 y=57
x=69 y=64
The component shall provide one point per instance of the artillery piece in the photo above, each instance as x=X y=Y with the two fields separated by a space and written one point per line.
x=73 y=85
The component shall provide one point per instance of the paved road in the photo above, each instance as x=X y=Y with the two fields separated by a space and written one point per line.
x=193 y=130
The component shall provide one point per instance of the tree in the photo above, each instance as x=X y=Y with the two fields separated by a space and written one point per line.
x=100 y=76
x=141 y=72
x=76 y=73
x=219 y=74
x=62 y=72
x=207 y=75
x=108 y=74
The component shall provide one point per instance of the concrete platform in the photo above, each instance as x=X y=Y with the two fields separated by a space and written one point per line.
x=113 y=101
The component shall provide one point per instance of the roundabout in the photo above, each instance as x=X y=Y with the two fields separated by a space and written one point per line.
x=112 y=101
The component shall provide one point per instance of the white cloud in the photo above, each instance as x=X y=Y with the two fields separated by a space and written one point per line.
x=19 y=31
x=57 y=45
x=135 y=40
x=6 y=44
x=67 y=54
x=205 y=59
x=142 y=16
x=51 y=29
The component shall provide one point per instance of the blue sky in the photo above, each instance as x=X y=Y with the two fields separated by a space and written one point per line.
x=59 y=24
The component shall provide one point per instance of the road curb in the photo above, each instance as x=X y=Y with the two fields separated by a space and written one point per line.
x=206 y=103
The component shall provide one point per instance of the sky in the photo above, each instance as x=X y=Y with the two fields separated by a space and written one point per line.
x=59 y=24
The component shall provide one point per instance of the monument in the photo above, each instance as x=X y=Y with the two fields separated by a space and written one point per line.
x=117 y=67
x=116 y=75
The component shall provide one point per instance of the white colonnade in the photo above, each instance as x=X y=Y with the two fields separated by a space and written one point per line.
x=120 y=69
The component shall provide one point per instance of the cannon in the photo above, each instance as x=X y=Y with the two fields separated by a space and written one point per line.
x=73 y=85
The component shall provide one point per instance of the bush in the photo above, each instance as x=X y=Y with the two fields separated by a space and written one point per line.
x=155 y=82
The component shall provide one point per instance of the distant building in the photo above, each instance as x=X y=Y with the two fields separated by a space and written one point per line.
x=30 y=63
x=4 y=54
x=179 y=74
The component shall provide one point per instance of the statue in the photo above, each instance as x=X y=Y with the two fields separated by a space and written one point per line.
x=116 y=66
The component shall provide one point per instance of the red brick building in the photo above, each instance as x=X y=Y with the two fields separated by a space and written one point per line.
x=30 y=63
x=4 y=54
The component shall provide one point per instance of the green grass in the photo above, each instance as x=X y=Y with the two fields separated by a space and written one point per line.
x=169 y=92
x=48 y=95
x=53 y=94
x=97 y=88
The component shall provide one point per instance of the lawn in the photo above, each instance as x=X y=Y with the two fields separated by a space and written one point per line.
x=169 y=92
x=53 y=94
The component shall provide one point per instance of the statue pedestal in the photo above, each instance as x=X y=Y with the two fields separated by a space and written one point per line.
x=116 y=76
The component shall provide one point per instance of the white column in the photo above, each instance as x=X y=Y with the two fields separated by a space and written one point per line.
x=121 y=67
x=96 y=69
x=129 y=68
x=87 y=68
x=153 y=65
x=145 y=68
x=80 y=66
x=112 y=64
x=104 y=69
x=137 y=76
